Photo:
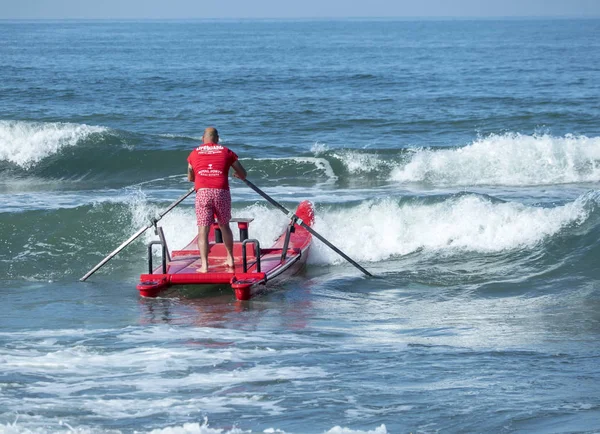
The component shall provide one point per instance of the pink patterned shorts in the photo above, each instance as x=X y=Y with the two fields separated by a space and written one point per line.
x=211 y=202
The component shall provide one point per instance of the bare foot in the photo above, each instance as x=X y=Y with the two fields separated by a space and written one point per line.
x=229 y=263
x=202 y=269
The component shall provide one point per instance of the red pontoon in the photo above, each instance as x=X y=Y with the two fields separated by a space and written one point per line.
x=254 y=266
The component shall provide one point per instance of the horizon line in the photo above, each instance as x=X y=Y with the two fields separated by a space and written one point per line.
x=308 y=18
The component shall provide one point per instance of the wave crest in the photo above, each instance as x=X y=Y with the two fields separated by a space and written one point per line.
x=27 y=143
x=382 y=229
x=509 y=159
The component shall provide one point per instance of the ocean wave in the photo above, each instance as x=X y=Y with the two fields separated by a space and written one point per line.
x=510 y=159
x=27 y=143
x=33 y=152
x=298 y=167
x=360 y=162
x=66 y=152
x=371 y=231
x=357 y=163
x=120 y=158
x=380 y=230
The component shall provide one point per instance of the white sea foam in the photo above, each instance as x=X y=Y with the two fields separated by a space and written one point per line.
x=178 y=379
x=27 y=143
x=378 y=230
x=319 y=148
x=359 y=162
x=62 y=427
x=196 y=428
x=509 y=159
x=355 y=162
x=186 y=428
x=339 y=430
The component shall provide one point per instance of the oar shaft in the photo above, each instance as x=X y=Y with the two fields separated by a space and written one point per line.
x=305 y=226
x=136 y=235
x=266 y=196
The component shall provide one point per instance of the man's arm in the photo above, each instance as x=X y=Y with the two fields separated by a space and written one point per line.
x=191 y=176
x=239 y=171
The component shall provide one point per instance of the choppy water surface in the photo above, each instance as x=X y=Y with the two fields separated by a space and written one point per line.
x=458 y=161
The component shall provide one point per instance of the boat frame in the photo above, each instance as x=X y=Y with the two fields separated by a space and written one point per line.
x=259 y=265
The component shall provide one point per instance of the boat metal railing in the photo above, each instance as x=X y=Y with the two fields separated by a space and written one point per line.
x=163 y=253
x=256 y=252
x=286 y=242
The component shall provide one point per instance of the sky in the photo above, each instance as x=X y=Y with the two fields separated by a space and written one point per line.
x=207 y=9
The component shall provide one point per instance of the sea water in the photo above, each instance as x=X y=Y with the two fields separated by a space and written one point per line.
x=457 y=161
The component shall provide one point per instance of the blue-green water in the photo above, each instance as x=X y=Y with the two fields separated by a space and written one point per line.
x=458 y=161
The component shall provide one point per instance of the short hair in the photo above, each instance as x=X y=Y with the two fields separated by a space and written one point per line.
x=212 y=134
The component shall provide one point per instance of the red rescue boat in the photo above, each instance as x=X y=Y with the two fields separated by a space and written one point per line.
x=254 y=266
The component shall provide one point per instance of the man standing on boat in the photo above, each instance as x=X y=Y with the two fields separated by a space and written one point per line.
x=208 y=169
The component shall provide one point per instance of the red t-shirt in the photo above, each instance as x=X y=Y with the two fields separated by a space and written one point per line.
x=211 y=163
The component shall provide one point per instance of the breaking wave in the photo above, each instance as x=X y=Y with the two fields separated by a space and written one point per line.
x=25 y=144
x=510 y=159
x=370 y=231
x=378 y=230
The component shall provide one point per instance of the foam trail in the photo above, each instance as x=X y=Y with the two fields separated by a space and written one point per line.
x=509 y=159
x=27 y=143
x=379 y=230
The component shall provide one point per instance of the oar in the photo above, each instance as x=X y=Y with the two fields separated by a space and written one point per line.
x=137 y=234
x=304 y=225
